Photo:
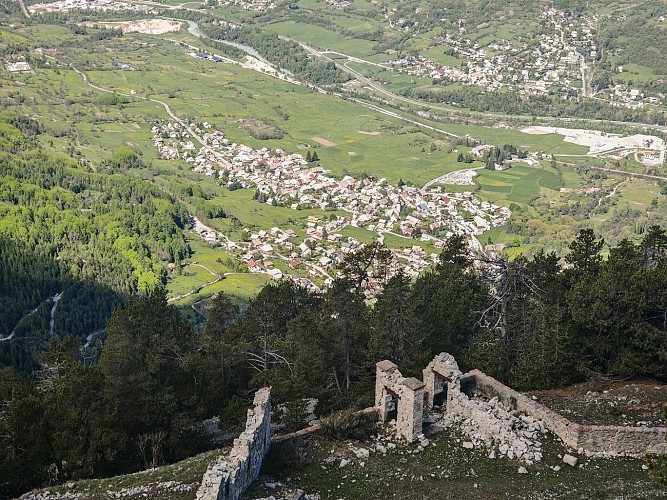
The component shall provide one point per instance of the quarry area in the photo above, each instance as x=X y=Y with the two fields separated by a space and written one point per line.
x=651 y=149
x=145 y=26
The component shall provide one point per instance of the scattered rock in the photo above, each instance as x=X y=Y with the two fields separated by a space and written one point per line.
x=361 y=453
x=344 y=463
x=468 y=445
x=523 y=470
x=570 y=460
x=299 y=495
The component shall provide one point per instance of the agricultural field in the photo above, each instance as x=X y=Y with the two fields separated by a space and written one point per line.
x=518 y=184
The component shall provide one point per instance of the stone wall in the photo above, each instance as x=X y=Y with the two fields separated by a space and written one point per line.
x=407 y=394
x=228 y=477
x=590 y=439
x=438 y=375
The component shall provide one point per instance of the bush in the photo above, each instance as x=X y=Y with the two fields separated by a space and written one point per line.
x=348 y=424
x=284 y=457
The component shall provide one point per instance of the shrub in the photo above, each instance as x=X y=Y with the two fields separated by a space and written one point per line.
x=348 y=424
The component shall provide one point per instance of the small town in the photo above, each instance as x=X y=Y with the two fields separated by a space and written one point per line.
x=557 y=60
x=409 y=212
x=558 y=63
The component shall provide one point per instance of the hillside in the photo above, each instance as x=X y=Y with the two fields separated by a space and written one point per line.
x=444 y=470
x=198 y=200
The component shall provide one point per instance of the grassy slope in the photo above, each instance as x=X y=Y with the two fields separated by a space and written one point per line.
x=443 y=470
x=446 y=470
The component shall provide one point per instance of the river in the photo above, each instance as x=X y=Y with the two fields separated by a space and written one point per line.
x=194 y=30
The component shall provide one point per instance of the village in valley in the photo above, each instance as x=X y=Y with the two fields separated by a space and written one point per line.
x=424 y=217
x=557 y=63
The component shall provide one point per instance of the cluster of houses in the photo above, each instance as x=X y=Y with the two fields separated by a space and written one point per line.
x=315 y=250
x=552 y=63
x=65 y=5
x=623 y=96
x=18 y=67
x=252 y=5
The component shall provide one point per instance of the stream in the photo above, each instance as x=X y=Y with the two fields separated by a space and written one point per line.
x=194 y=30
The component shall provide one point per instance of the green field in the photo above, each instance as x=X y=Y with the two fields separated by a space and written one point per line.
x=322 y=38
x=518 y=184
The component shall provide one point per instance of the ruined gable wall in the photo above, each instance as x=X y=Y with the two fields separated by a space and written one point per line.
x=410 y=394
x=228 y=477
x=593 y=439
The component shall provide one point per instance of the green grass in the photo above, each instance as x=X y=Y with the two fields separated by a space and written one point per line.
x=242 y=286
x=189 y=472
x=437 y=54
x=360 y=234
x=393 y=241
x=634 y=72
x=518 y=184
x=446 y=470
x=322 y=38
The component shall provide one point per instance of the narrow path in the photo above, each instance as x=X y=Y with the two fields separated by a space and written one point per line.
x=602 y=198
x=163 y=104
x=630 y=174
x=203 y=267
x=25 y=11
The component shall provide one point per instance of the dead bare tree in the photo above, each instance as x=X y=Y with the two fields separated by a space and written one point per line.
x=150 y=448
x=507 y=279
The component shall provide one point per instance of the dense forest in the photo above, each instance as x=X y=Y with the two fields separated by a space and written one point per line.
x=532 y=323
x=92 y=238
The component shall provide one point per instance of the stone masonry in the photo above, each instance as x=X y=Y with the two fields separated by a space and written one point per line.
x=438 y=375
x=228 y=477
x=400 y=399
x=601 y=440
x=508 y=420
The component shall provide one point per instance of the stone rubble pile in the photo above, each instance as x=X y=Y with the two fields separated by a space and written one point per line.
x=293 y=495
x=490 y=424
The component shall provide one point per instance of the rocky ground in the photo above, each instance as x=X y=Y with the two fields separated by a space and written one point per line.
x=444 y=465
x=608 y=402
x=496 y=428
x=177 y=481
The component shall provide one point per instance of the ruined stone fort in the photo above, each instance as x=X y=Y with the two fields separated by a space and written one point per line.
x=494 y=415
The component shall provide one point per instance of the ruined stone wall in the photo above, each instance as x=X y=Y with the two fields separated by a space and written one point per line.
x=228 y=477
x=592 y=439
x=409 y=395
x=443 y=368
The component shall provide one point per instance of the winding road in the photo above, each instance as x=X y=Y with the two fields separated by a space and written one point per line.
x=163 y=104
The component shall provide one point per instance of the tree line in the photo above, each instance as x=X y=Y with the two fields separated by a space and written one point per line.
x=503 y=101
